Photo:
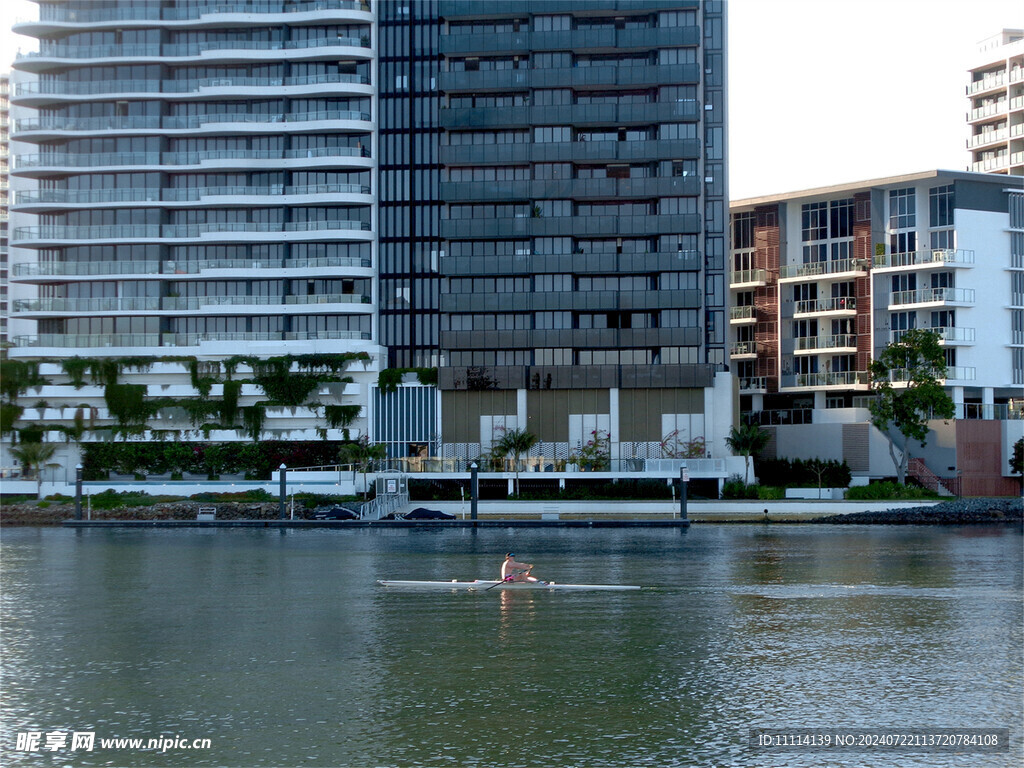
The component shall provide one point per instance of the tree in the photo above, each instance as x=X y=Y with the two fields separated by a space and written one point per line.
x=916 y=362
x=34 y=456
x=514 y=442
x=361 y=454
x=1017 y=461
x=747 y=440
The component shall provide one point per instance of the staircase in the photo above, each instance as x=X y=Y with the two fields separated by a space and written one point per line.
x=917 y=469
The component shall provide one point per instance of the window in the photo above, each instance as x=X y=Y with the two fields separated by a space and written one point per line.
x=902 y=220
x=940 y=206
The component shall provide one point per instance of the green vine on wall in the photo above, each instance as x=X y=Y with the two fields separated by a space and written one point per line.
x=131 y=409
x=389 y=379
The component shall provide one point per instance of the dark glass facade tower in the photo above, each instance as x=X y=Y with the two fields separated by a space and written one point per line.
x=409 y=176
x=584 y=209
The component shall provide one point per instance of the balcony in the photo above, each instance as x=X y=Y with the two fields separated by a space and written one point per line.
x=743 y=350
x=931 y=257
x=539 y=301
x=748 y=278
x=832 y=343
x=947 y=335
x=987 y=83
x=953 y=373
x=570 y=152
x=30 y=61
x=570 y=226
x=568 y=77
x=60 y=269
x=840 y=305
x=838 y=267
x=742 y=314
x=988 y=137
x=823 y=379
x=51 y=162
x=754 y=384
x=214 y=231
x=988 y=110
x=50 y=197
x=574 y=189
x=525 y=41
x=930 y=296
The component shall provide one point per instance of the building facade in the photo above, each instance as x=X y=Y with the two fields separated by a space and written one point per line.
x=193 y=182
x=823 y=280
x=995 y=117
x=4 y=197
x=583 y=240
x=528 y=197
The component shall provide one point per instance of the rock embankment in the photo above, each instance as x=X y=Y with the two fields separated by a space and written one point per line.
x=958 y=512
x=29 y=513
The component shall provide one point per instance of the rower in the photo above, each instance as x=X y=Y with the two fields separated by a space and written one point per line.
x=513 y=571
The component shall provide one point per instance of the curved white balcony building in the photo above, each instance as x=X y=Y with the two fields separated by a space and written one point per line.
x=195 y=174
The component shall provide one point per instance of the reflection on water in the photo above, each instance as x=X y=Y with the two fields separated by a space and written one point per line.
x=278 y=647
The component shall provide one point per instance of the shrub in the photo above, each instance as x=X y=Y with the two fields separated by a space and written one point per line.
x=735 y=488
x=770 y=492
x=801 y=473
x=888 y=490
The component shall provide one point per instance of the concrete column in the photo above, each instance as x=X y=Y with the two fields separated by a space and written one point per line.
x=613 y=426
x=521 y=415
x=988 y=401
x=819 y=400
x=757 y=402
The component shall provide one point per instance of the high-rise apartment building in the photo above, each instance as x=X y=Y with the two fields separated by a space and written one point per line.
x=823 y=280
x=583 y=238
x=996 y=114
x=529 y=196
x=4 y=187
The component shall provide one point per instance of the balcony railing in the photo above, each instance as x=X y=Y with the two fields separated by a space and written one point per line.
x=748 y=276
x=178 y=231
x=72 y=160
x=152 y=12
x=827 y=379
x=926 y=257
x=945 y=334
x=952 y=373
x=742 y=348
x=90 y=196
x=754 y=383
x=993 y=80
x=98 y=87
x=92 y=268
x=837 y=341
x=177 y=304
x=187 y=49
x=817 y=306
x=745 y=312
x=932 y=296
x=101 y=340
x=823 y=268
x=988 y=137
x=1001 y=411
x=781 y=416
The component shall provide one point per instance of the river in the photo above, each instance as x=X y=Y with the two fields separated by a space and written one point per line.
x=278 y=647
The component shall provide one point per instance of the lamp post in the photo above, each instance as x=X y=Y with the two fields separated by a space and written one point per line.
x=684 y=482
x=282 y=492
x=78 y=492
x=474 y=490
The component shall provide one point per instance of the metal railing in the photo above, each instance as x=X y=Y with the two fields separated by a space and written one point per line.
x=826 y=379
x=931 y=295
x=813 y=268
x=815 y=306
x=748 y=276
x=926 y=256
x=836 y=341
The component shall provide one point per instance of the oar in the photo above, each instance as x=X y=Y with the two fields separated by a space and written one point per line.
x=506 y=579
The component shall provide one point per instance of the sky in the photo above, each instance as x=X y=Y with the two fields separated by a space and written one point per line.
x=824 y=92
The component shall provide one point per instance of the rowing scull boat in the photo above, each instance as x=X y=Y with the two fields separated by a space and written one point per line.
x=483 y=584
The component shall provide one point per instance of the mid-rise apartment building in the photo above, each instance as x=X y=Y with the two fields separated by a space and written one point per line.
x=528 y=196
x=995 y=116
x=824 y=279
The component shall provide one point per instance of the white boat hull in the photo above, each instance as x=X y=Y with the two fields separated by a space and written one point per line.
x=480 y=585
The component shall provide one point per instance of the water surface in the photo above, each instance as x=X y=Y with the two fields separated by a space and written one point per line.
x=279 y=648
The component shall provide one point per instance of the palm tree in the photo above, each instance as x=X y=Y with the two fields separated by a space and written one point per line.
x=361 y=454
x=34 y=456
x=747 y=440
x=515 y=442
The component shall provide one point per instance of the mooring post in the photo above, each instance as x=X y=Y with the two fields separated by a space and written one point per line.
x=283 y=492
x=684 y=481
x=78 y=492
x=474 y=490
